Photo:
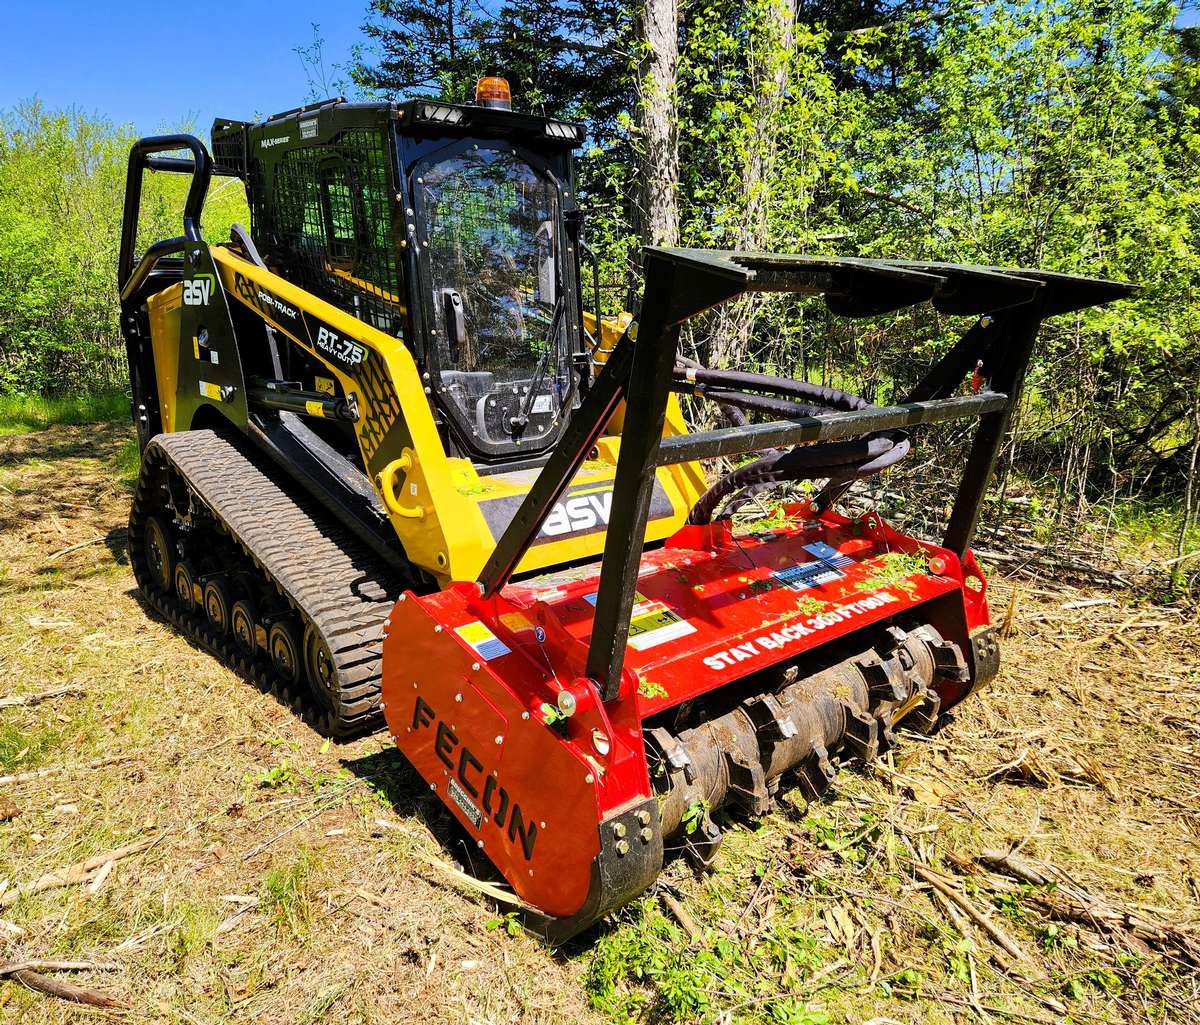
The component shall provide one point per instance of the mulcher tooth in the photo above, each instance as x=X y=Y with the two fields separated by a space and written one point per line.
x=675 y=754
x=887 y=735
x=701 y=845
x=924 y=718
x=748 y=784
x=895 y=638
x=949 y=661
x=885 y=679
x=815 y=774
x=862 y=735
x=771 y=719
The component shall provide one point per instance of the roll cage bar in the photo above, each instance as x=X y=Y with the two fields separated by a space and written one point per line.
x=146 y=154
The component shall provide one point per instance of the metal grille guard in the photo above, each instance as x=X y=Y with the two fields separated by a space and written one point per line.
x=679 y=284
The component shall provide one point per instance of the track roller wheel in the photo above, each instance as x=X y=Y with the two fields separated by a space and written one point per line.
x=244 y=618
x=283 y=642
x=185 y=586
x=322 y=673
x=160 y=557
x=216 y=605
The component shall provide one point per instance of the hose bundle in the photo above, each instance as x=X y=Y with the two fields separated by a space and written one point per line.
x=839 y=461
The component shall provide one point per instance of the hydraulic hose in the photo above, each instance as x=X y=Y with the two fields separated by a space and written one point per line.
x=840 y=461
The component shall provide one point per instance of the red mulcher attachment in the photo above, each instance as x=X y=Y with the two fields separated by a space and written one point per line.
x=580 y=723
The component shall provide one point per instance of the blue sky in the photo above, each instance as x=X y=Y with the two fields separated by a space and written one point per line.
x=154 y=65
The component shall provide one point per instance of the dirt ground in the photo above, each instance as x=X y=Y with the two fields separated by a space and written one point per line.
x=277 y=878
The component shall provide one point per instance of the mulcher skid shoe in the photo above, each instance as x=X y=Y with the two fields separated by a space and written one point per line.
x=752 y=661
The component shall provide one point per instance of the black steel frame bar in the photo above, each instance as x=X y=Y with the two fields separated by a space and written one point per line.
x=1006 y=372
x=582 y=432
x=647 y=391
x=149 y=260
x=732 y=441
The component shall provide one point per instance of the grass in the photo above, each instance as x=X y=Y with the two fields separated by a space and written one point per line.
x=287 y=894
x=21 y=750
x=291 y=880
x=21 y=414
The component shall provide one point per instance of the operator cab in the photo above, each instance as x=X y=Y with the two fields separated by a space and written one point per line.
x=499 y=346
x=451 y=227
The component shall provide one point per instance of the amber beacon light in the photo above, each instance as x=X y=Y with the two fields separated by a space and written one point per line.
x=493 y=91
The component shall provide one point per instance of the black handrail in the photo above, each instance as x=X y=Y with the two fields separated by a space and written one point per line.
x=149 y=261
x=142 y=156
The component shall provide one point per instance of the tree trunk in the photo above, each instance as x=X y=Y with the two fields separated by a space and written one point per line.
x=768 y=73
x=660 y=24
x=1189 y=498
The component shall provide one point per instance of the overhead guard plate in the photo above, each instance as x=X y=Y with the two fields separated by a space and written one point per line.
x=855 y=287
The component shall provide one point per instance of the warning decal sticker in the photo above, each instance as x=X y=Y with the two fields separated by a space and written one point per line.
x=482 y=641
x=828 y=567
x=651 y=623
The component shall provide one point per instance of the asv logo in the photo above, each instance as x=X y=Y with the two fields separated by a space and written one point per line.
x=578 y=515
x=197 y=290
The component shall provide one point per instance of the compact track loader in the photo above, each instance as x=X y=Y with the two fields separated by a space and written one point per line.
x=393 y=471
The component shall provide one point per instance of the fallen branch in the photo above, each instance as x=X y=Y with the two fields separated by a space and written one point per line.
x=1007 y=863
x=74 y=874
x=45 y=695
x=1070 y=902
x=682 y=915
x=65 y=990
x=497 y=893
x=84 y=544
x=1084 y=908
x=37 y=964
x=50 y=770
x=978 y=917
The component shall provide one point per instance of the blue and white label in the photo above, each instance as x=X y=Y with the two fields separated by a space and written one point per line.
x=482 y=641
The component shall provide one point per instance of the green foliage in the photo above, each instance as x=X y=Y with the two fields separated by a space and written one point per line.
x=651 y=688
x=278 y=777
x=1055 y=937
x=287 y=893
x=647 y=971
x=511 y=923
x=20 y=414
x=896 y=569
x=693 y=815
x=62 y=186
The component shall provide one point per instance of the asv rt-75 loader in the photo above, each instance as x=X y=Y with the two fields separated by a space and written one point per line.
x=393 y=470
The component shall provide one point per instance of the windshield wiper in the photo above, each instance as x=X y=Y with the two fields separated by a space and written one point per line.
x=519 y=422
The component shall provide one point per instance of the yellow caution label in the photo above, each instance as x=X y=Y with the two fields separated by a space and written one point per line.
x=485 y=643
x=325 y=384
x=314 y=408
x=210 y=390
x=196 y=345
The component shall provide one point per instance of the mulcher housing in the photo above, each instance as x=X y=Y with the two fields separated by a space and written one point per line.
x=392 y=465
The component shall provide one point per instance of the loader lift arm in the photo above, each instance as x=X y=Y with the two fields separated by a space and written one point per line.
x=680 y=284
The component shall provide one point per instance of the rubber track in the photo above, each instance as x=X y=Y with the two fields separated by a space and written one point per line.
x=329 y=577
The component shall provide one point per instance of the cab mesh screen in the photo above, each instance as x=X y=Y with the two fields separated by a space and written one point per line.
x=329 y=219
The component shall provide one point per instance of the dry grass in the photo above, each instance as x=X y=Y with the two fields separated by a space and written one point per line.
x=290 y=881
